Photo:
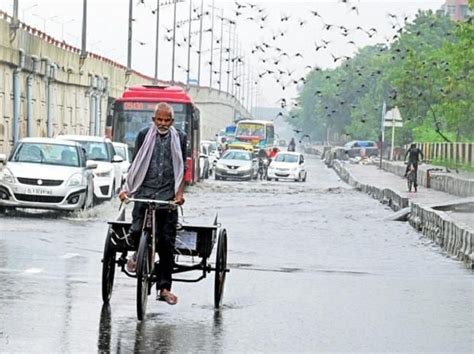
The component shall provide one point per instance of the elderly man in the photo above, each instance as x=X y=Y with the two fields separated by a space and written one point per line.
x=157 y=172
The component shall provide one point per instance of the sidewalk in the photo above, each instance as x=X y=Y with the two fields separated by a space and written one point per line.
x=451 y=228
x=373 y=175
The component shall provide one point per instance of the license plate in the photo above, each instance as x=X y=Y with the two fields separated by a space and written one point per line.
x=232 y=172
x=38 y=191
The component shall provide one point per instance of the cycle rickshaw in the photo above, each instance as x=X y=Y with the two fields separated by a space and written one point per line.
x=192 y=241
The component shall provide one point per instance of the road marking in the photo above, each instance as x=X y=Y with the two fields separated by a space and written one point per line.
x=69 y=255
x=33 y=270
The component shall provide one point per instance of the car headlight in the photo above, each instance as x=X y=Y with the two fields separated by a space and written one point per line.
x=76 y=179
x=104 y=173
x=6 y=176
x=220 y=165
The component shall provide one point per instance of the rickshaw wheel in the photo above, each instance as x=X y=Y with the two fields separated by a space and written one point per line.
x=221 y=265
x=108 y=268
x=143 y=270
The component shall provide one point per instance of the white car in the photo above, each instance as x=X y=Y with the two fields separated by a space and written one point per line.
x=108 y=174
x=122 y=150
x=236 y=164
x=287 y=165
x=212 y=152
x=45 y=173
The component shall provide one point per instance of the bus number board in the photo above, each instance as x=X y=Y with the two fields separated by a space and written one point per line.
x=139 y=106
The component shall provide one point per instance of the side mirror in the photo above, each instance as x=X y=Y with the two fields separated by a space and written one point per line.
x=3 y=158
x=90 y=165
x=117 y=158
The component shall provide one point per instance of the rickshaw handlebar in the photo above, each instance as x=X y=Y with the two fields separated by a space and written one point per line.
x=169 y=203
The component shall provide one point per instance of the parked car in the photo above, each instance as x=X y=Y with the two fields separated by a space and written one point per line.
x=204 y=163
x=122 y=150
x=108 y=174
x=46 y=173
x=287 y=165
x=361 y=148
x=236 y=164
x=213 y=153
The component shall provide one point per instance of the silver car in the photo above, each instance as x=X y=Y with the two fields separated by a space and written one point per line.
x=46 y=173
x=236 y=164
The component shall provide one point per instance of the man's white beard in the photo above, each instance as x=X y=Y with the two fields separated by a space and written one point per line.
x=163 y=131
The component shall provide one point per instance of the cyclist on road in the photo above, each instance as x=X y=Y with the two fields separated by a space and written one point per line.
x=157 y=172
x=415 y=155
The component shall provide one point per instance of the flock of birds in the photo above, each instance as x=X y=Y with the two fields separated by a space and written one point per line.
x=271 y=61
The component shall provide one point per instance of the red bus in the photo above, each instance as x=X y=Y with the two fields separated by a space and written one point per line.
x=134 y=111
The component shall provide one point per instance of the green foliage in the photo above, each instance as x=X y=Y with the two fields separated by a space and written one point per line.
x=428 y=72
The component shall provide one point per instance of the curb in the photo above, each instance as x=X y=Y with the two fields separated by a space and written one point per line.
x=457 y=239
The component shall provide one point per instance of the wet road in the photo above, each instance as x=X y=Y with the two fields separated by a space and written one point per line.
x=315 y=266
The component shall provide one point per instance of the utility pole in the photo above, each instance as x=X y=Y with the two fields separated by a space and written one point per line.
x=382 y=132
x=222 y=45
x=130 y=21
x=212 y=46
x=234 y=60
x=84 y=30
x=15 y=23
x=174 y=42
x=200 y=43
x=189 y=41
x=228 y=57
x=157 y=40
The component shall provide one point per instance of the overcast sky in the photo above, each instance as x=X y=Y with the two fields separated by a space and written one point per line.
x=297 y=36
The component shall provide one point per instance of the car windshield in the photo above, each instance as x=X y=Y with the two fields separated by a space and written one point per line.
x=121 y=151
x=95 y=150
x=236 y=155
x=286 y=158
x=48 y=154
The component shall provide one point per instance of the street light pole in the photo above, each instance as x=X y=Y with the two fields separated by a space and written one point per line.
x=157 y=39
x=130 y=20
x=174 y=42
x=212 y=46
x=189 y=41
x=84 y=30
x=228 y=57
x=222 y=45
x=200 y=43
x=26 y=9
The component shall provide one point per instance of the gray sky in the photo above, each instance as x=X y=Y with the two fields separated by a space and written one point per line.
x=107 y=34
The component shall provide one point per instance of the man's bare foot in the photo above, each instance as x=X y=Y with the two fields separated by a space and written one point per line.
x=168 y=297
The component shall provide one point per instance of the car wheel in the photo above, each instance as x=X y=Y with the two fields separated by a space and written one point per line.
x=216 y=177
x=305 y=175
x=276 y=179
x=3 y=210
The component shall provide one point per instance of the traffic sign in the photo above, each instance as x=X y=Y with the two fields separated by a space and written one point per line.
x=393 y=118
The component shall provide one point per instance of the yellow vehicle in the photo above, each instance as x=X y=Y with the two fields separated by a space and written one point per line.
x=240 y=145
x=260 y=133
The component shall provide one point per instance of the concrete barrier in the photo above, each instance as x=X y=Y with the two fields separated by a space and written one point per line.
x=455 y=238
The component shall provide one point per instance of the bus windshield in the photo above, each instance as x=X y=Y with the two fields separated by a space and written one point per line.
x=251 y=129
x=127 y=123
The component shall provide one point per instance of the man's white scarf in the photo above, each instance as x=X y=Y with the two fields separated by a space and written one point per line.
x=138 y=169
